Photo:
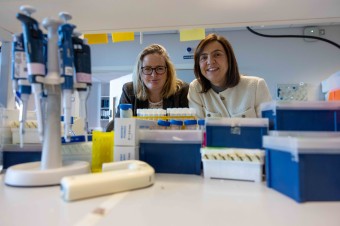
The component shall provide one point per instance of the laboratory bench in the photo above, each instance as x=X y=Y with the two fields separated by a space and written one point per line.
x=174 y=199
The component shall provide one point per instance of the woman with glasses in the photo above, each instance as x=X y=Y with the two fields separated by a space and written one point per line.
x=154 y=82
x=219 y=90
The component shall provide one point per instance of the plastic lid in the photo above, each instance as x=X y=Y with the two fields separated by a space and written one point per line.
x=176 y=122
x=254 y=122
x=163 y=123
x=303 y=145
x=125 y=106
x=190 y=122
x=201 y=122
x=300 y=105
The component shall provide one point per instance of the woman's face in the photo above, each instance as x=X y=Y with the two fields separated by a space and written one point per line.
x=155 y=70
x=214 y=63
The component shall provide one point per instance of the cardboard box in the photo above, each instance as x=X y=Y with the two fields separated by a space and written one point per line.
x=122 y=153
x=127 y=130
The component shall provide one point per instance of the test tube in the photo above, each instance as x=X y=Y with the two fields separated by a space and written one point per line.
x=125 y=110
x=201 y=126
x=162 y=124
x=190 y=124
x=176 y=124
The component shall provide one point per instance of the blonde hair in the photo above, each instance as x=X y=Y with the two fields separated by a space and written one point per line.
x=172 y=84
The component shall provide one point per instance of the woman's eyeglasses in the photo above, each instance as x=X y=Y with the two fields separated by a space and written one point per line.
x=159 y=70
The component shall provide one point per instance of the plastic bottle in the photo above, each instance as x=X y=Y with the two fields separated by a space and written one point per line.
x=125 y=110
x=162 y=124
x=176 y=124
x=201 y=126
x=190 y=124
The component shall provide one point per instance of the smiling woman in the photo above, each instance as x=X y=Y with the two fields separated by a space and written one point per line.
x=219 y=90
x=154 y=82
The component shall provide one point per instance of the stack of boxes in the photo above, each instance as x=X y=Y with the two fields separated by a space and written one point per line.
x=303 y=149
x=234 y=148
x=168 y=149
x=126 y=137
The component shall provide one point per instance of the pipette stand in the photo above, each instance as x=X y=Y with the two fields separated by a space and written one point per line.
x=51 y=169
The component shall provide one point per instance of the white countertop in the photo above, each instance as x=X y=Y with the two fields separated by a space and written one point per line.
x=173 y=200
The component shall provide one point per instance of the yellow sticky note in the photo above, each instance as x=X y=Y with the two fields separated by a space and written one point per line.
x=123 y=36
x=96 y=38
x=191 y=34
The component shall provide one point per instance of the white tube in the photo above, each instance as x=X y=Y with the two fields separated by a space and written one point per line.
x=67 y=95
x=37 y=93
x=22 y=117
x=82 y=109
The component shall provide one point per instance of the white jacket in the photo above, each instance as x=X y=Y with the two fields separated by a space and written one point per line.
x=242 y=100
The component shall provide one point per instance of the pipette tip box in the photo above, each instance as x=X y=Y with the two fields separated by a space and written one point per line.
x=305 y=168
x=236 y=132
x=172 y=151
x=74 y=150
x=302 y=115
x=233 y=163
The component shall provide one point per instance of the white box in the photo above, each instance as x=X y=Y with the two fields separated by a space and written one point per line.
x=5 y=136
x=31 y=136
x=233 y=163
x=127 y=130
x=122 y=153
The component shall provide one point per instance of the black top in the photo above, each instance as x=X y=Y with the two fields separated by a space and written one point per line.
x=178 y=100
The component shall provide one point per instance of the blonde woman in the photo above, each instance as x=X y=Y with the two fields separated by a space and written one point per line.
x=154 y=82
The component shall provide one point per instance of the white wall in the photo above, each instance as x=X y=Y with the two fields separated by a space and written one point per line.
x=277 y=60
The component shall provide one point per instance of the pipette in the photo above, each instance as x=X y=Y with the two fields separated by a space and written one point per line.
x=66 y=65
x=21 y=86
x=82 y=63
x=34 y=42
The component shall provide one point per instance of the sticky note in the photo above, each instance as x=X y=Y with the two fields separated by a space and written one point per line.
x=191 y=34
x=123 y=36
x=96 y=38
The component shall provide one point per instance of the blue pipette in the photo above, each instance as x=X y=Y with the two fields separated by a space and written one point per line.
x=34 y=46
x=66 y=65
x=82 y=63
x=21 y=86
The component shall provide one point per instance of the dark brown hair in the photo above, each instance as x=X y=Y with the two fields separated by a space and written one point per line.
x=233 y=75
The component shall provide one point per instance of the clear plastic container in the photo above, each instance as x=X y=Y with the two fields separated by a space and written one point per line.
x=176 y=124
x=125 y=110
x=162 y=124
x=201 y=126
x=190 y=124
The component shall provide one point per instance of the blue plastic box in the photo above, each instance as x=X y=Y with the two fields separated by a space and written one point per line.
x=305 y=168
x=13 y=154
x=236 y=132
x=302 y=116
x=171 y=151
